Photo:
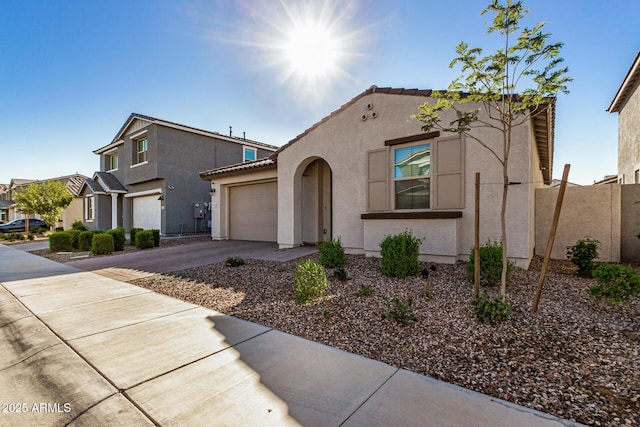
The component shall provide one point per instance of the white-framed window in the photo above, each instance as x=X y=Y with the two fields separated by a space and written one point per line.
x=142 y=146
x=412 y=176
x=112 y=161
x=89 y=208
x=249 y=154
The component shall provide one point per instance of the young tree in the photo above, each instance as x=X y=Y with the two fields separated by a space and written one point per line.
x=492 y=82
x=48 y=199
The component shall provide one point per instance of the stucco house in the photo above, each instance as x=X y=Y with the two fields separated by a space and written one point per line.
x=367 y=170
x=148 y=175
x=626 y=103
x=9 y=210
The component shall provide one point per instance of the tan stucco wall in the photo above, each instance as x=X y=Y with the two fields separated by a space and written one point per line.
x=629 y=138
x=220 y=198
x=587 y=212
x=75 y=212
x=343 y=140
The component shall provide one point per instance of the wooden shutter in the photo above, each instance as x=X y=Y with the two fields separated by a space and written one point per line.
x=378 y=180
x=448 y=173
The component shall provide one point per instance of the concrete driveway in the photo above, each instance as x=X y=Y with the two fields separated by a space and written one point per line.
x=135 y=265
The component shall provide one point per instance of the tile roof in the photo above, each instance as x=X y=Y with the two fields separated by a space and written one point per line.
x=74 y=184
x=266 y=163
x=627 y=87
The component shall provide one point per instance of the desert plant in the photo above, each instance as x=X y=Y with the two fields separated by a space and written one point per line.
x=365 y=291
x=144 y=239
x=309 y=281
x=400 y=254
x=400 y=311
x=31 y=236
x=37 y=230
x=78 y=225
x=331 y=253
x=617 y=284
x=341 y=274
x=234 y=261
x=118 y=238
x=102 y=244
x=84 y=240
x=132 y=235
x=491 y=311
x=60 y=241
x=582 y=254
x=490 y=264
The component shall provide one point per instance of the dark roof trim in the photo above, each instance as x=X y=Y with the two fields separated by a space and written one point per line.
x=627 y=87
x=240 y=168
x=412 y=138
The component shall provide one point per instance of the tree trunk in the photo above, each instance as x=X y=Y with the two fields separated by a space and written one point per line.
x=503 y=226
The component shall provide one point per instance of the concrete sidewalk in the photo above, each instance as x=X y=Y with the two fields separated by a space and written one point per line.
x=82 y=349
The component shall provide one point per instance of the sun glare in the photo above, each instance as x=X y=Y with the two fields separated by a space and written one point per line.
x=311 y=50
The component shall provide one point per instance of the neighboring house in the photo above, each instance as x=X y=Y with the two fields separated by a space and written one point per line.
x=367 y=170
x=148 y=175
x=608 y=179
x=5 y=203
x=627 y=104
x=72 y=213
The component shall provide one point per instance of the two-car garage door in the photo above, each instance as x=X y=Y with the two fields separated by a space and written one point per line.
x=253 y=212
x=147 y=212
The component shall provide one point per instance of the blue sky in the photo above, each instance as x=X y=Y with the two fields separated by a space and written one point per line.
x=71 y=72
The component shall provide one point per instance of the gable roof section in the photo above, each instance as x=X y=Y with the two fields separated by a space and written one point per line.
x=102 y=183
x=117 y=140
x=627 y=87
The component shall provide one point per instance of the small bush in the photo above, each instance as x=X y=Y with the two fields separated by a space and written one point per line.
x=102 y=244
x=490 y=264
x=488 y=311
x=309 y=281
x=59 y=228
x=331 y=253
x=400 y=311
x=60 y=241
x=156 y=237
x=617 y=284
x=75 y=237
x=31 y=236
x=234 y=261
x=118 y=238
x=144 y=239
x=132 y=235
x=400 y=254
x=37 y=230
x=85 y=238
x=78 y=225
x=365 y=291
x=582 y=254
x=341 y=274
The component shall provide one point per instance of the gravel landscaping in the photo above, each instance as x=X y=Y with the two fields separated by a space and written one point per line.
x=576 y=359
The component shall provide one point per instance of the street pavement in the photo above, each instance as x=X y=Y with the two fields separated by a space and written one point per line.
x=82 y=349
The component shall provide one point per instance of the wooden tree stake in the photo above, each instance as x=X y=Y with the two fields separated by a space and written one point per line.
x=476 y=249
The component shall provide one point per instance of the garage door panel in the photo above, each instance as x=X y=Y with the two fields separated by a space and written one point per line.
x=253 y=212
x=147 y=212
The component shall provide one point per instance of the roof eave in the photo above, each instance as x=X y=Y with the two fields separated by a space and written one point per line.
x=627 y=86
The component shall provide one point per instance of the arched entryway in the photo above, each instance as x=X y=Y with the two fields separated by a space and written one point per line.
x=315 y=201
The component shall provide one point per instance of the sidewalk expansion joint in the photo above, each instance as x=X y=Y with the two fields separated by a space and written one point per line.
x=370 y=396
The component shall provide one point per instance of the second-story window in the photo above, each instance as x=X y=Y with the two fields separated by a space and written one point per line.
x=250 y=154
x=112 y=161
x=143 y=149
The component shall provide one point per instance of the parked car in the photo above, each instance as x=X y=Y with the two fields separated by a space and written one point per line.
x=17 y=225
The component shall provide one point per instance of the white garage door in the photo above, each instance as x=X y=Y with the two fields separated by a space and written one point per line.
x=147 y=212
x=253 y=212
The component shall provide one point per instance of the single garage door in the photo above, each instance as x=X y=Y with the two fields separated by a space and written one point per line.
x=147 y=212
x=253 y=212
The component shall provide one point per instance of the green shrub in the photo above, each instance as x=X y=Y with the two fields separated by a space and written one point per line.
x=118 y=238
x=78 y=225
x=400 y=254
x=59 y=228
x=60 y=241
x=582 y=254
x=489 y=311
x=309 y=281
x=490 y=264
x=156 y=237
x=37 y=230
x=365 y=291
x=75 y=237
x=331 y=253
x=132 y=235
x=617 y=284
x=85 y=238
x=234 y=261
x=31 y=236
x=10 y=237
x=144 y=239
x=102 y=244
x=400 y=311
